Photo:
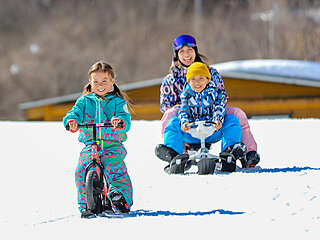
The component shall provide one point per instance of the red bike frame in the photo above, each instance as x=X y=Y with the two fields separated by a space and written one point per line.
x=95 y=160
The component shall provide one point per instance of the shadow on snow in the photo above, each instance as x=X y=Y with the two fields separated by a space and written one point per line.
x=149 y=213
x=258 y=169
x=277 y=170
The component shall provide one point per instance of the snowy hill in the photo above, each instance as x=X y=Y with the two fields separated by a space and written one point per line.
x=279 y=201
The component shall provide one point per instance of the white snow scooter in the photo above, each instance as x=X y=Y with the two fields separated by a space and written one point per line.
x=207 y=163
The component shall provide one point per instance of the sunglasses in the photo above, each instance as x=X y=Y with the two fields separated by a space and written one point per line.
x=184 y=40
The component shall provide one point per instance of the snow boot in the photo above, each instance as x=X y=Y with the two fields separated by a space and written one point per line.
x=253 y=158
x=231 y=154
x=165 y=153
x=179 y=164
x=87 y=214
x=227 y=163
x=119 y=202
x=107 y=206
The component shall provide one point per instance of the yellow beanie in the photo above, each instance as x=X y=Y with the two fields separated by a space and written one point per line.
x=198 y=69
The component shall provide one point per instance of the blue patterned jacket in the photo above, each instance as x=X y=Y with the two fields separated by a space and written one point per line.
x=173 y=84
x=91 y=108
x=209 y=104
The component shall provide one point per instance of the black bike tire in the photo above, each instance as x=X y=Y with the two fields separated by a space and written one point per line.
x=93 y=193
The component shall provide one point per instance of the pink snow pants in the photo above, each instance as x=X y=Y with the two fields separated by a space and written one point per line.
x=112 y=157
x=246 y=136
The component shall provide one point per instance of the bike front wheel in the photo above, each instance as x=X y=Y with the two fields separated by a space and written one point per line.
x=93 y=190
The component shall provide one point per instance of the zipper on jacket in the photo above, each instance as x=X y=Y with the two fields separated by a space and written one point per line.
x=201 y=107
x=99 y=120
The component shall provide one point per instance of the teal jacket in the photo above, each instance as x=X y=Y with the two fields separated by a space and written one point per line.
x=92 y=108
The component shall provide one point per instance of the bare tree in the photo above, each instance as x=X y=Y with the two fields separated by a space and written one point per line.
x=136 y=38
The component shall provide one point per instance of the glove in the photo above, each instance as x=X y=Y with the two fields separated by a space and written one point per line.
x=68 y=126
x=120 y=125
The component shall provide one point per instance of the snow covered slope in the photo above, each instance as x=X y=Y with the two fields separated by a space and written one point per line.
x=279 y=201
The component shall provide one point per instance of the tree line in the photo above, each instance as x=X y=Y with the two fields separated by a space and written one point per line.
x=47 y=46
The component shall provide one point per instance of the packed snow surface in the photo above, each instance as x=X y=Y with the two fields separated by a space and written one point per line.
x=280 y=199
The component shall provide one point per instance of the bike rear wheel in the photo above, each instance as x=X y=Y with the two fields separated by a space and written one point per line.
x=93 y=190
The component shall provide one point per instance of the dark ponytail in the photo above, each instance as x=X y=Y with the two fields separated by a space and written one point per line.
x=87 y=89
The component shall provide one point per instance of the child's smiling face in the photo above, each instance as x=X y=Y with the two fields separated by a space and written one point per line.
x=101 y=82
x=198 y=83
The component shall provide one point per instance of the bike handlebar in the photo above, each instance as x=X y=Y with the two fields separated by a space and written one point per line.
x=97 y=125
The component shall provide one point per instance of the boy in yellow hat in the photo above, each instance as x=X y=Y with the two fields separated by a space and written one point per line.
x=202 y=100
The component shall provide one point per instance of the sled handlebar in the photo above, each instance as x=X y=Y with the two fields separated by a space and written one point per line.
x=201 y=122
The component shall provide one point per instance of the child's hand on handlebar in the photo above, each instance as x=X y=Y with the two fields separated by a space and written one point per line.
x=73 y=126
x=184 y=127
x=115 y=123
x=218 y=125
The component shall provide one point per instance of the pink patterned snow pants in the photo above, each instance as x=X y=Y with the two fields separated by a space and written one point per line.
x=112 y=158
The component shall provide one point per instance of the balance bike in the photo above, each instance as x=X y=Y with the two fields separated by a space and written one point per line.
x=96 y=186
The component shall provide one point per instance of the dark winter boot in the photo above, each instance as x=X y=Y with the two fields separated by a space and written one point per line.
x=107 y=207
x=228 y=163
x=165 y=153
x=119 y=202
x=231 y=154
x=253 y=158
x=87 y=214
x=179 y=164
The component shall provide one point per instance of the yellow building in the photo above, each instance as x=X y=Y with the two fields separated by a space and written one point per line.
x=259 y=87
